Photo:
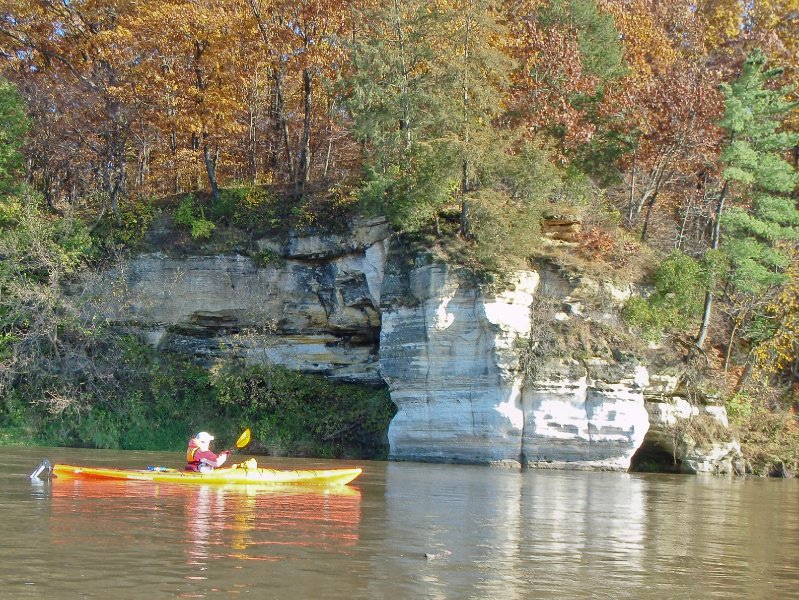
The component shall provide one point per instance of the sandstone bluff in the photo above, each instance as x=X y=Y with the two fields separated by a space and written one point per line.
x=354 y=307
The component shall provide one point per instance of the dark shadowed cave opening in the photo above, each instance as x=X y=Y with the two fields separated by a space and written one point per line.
x=651 y=457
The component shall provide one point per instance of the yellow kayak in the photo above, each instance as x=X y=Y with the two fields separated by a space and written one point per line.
x=246 y=473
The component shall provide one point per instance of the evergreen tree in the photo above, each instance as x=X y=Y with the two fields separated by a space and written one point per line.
x=428 y=83
x=601 y=50
x=755 y=171
x=13 y=127
x=475 y=76
x=393 y=100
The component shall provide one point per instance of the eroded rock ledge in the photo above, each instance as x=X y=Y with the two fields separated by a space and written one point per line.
x=354 y=308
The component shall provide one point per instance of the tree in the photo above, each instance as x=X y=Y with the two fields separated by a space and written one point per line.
x=569 y=57
x=779 y=352
x=302 y=43
x=475 y=77
x=66 y=50
x=13 y=127
x=669 y=103
x=755 y=171
x=392 y=96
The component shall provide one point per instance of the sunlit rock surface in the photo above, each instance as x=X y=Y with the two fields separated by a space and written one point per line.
x=448 y=356
x=451 y=358
x=578 y=415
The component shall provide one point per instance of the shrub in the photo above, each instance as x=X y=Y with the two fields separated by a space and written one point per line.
x=185 y=216
x=184 y=213
x=640 y=315
x=292 y=413
x=247 y=207
x=676 y=303
x=201 y=229
x=267 y=257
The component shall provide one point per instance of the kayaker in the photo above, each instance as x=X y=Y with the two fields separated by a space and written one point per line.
x=199 y=456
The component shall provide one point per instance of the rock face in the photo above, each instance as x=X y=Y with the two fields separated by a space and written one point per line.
x=582 y=416
x=452 y=369
x=668 y=410
x=451 y=359
x=316 y=309
x=354 y=308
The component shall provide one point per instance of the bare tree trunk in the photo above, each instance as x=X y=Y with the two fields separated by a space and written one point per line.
x=681 y=235
x=304 y=159
x=744 y=378
x=143 y=170
x=729 y=346
x=329 y=154
x=210 y=169
x=173 y=149
x=631 y=204
x=405 y=125
x=649 y=205
x=714 y=244
x=465 y=216
x=283 y=125
x=47 y=184
x=252 y=146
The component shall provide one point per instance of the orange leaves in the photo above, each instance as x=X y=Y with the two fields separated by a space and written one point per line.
x=259 y=79
x=549 y=72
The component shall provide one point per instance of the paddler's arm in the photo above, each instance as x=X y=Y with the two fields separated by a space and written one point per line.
x=216 y=462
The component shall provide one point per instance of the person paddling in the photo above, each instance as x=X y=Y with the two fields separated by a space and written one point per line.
x=199 y=456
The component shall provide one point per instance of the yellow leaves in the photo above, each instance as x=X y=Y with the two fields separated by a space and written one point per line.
x=647 y=45
x=724 y=20
x=781 y=350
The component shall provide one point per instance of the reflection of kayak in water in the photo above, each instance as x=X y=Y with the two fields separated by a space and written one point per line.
x=244 y=473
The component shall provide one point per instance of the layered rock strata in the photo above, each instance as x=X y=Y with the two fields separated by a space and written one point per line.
x=314 y=309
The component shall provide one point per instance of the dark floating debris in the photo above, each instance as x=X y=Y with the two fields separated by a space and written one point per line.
x=437 y=555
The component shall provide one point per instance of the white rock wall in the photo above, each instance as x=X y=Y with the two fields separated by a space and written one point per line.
x=451 y=367
x=580 y=421
x=449 y=351
x=452 y=363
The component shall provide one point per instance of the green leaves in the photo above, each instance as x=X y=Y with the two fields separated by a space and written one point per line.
x=676 y=303
x=13 y=127
x=765 y=214
x=599 y=41
x=185 y=216
x=295 y=414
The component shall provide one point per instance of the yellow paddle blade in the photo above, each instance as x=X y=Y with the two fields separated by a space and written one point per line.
x=244 y=439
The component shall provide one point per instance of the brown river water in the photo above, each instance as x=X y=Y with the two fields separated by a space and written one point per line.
x=402 y=530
